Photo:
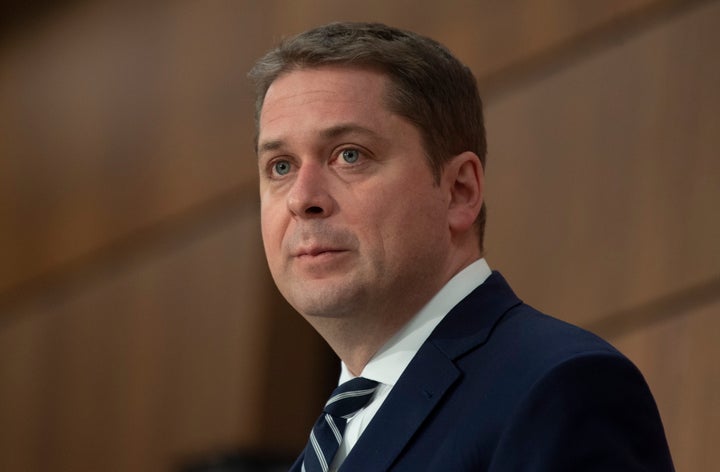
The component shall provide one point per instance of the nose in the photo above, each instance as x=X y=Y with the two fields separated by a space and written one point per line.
x=309 y=196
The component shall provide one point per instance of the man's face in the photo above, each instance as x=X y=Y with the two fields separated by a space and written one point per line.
x=353 y=222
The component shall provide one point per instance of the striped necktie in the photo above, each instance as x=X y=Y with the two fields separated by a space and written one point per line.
x=326 y=435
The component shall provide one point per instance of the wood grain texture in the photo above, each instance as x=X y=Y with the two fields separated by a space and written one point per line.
x=144 y=365
x=138 y=324
x=113 y=118
x=603 y=177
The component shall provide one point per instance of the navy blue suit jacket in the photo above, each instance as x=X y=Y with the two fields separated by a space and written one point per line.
x=500 y=387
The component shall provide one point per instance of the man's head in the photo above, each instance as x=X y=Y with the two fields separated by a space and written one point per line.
x=359 y=230
x=428 y=85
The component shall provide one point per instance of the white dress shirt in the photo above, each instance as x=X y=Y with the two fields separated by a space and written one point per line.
x=390 y=361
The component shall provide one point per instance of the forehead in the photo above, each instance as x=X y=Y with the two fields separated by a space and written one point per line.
x=323 y=93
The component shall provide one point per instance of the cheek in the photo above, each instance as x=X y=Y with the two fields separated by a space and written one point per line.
x=419 y=219
x=270 y=228
x=390 y=222
x=268 y=245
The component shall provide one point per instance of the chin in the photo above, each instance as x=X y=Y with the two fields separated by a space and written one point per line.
x=325 y=302
x=314 y=309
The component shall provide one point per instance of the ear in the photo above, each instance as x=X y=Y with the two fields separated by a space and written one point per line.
x=464 y=178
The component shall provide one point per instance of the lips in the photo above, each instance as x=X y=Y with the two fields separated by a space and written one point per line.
x=314 y=251
x=312 y=240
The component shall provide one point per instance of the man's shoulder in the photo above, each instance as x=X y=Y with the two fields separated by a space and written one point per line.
x=494 y=317
x=532 y=339
x=537 y=331
x=517 y=335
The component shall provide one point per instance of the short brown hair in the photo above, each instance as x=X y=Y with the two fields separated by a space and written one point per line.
x=429 y=86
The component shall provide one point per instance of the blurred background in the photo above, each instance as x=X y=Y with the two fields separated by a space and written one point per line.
x=139 y=327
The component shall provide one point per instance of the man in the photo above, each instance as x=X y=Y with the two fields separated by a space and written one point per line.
x=371 y=151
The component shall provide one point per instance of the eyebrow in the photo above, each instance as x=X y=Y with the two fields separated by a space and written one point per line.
x=348 y=128
x=271 y=145
x=336 y=131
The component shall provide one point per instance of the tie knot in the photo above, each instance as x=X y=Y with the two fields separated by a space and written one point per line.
x=350 y=397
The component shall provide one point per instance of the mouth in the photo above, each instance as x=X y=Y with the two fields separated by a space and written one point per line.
x=314 y=252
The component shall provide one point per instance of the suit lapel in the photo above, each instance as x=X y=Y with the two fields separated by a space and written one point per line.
x=413 y=398
x=471 y=322
x=430 y=375
x=297 y=466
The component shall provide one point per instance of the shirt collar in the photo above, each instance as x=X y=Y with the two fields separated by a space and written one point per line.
x=390 y=361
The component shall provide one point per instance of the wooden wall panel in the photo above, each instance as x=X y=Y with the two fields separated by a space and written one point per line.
x=138 y=325
x=113 y=117
x=146 y=363
x=603 y=177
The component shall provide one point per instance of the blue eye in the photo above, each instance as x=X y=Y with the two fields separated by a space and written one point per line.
x=351 y=156
x=281 y=167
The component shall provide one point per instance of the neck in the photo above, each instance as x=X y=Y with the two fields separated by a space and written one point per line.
x=357 y=339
